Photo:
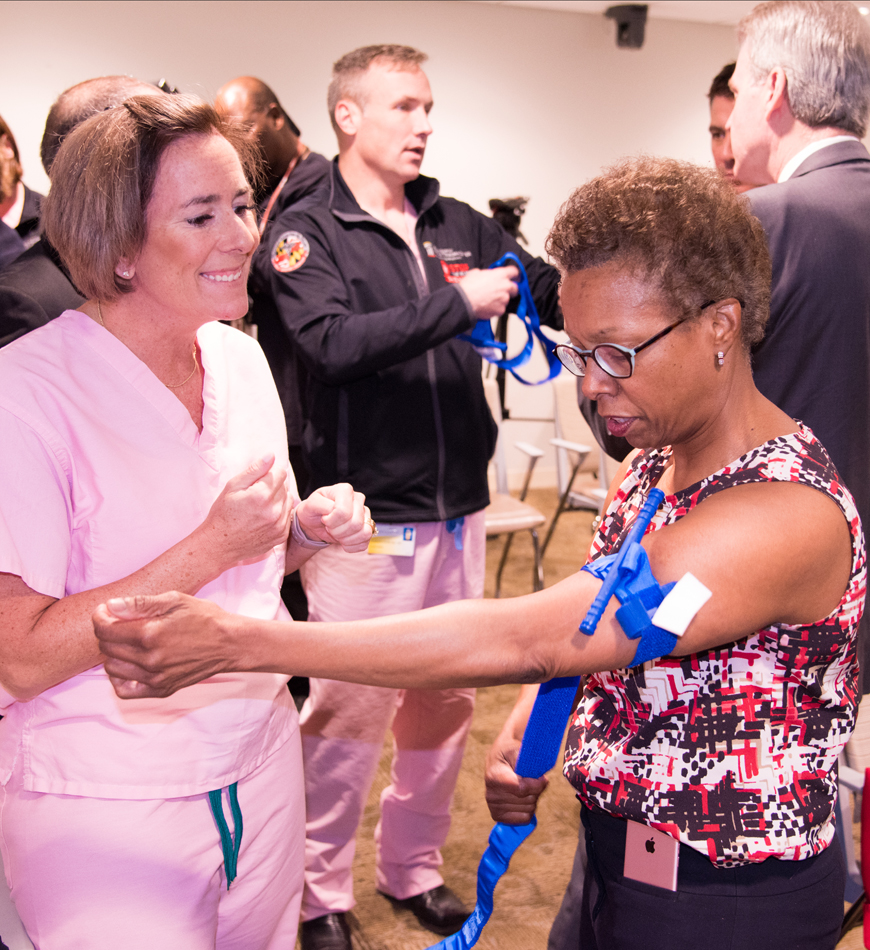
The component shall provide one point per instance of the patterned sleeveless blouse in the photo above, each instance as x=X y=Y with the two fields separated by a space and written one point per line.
x=732 y=751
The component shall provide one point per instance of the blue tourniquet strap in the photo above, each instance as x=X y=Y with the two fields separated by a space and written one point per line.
x=540 y=749
x=492 y=351
x=230 y=844
x=628 y=576
x=454 y=527
x=542 y=740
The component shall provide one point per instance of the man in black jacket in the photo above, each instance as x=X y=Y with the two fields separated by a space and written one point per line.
x=292 y=172
x=373 y=286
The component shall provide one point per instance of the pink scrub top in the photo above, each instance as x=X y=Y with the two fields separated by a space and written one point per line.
x=102 y=470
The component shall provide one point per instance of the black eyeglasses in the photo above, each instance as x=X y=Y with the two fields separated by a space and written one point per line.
x=617 y=361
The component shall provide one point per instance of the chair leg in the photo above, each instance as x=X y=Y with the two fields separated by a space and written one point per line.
x=563 y=501
x=538 y=578
x=501 y=563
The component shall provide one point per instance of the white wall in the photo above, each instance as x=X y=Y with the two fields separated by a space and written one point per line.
x=528 y=102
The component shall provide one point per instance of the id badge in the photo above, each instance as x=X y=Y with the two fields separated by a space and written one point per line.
x=395 y=539
x=651 y=856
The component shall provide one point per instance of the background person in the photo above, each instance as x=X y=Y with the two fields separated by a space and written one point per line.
x=19 y=205
x=125 y=426
x=36 y=287
x=372 y=286
x=729 y=743
x=721 y=100
x=802 y=87
x=292 y=173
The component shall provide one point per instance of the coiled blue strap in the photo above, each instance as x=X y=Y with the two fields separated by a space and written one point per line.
x=230 y=844
x=492 y=350
x=542 y=740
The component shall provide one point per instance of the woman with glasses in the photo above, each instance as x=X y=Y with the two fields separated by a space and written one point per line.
x=714 y=755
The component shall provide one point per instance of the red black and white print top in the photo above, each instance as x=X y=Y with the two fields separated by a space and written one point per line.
x=732 y=751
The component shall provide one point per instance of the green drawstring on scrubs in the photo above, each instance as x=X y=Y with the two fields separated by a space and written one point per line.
x=229 y=843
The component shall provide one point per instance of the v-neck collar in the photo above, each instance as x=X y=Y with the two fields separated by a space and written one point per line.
x=137 y=374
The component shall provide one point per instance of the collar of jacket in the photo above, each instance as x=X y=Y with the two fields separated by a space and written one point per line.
x=422 y=192
x=838 y=154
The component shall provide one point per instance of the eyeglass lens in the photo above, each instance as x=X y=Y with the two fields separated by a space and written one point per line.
x=609 y=358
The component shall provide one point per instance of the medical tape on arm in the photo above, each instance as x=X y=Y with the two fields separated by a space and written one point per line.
x=655 y=614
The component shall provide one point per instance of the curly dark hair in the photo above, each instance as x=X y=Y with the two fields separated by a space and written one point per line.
x=682 y=227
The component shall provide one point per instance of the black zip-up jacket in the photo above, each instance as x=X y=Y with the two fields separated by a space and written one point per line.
x=394 y=403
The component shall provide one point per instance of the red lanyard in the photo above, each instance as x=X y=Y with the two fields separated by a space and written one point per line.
x=301 y=155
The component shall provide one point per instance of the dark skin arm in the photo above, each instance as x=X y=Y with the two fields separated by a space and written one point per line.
x=797 y=573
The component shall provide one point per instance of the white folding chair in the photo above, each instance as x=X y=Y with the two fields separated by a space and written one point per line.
x=506 y=514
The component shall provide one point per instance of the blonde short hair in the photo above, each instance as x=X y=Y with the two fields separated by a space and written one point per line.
x=348 y=71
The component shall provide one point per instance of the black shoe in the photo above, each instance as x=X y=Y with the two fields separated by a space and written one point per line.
x=330 y=932
x=438 y=910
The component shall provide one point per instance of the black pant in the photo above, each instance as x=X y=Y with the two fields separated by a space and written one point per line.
x=774 y=905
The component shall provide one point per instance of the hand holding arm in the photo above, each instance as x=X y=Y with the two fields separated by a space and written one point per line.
x=47 y=640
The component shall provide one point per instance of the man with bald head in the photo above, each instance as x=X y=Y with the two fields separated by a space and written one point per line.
x=36 y=287
x=293 y=174
x=293 y=171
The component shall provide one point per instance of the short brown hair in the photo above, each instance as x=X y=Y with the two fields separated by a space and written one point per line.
x=682 y=227
x=347 y=71
x=103 y=178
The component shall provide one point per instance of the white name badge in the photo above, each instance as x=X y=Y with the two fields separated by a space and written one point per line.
x=395 y=539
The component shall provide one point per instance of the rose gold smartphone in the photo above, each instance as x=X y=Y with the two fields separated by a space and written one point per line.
x=651 y=856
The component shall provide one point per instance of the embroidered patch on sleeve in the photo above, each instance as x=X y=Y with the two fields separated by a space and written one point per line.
x=290 y=252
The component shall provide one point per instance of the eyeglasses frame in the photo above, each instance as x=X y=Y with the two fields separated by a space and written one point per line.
x=630 y=352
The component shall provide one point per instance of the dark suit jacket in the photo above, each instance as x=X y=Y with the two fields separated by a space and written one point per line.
x=814 y=361
x=34 y=289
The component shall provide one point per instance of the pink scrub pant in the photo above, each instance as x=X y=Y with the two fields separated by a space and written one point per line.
x=106 y=874
x=343 y=725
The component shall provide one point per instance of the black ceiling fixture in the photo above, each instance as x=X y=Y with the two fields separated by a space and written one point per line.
x=630 y=23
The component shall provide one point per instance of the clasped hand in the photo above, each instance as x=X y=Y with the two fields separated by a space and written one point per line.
x=336 y=514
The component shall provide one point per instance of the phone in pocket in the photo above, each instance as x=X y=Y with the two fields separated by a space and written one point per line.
x=651 y=856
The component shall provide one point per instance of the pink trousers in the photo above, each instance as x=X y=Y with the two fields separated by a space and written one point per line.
x=343 y=725
x=106 y=874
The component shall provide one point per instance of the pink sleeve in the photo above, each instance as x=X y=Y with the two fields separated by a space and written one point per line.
x=35 y=509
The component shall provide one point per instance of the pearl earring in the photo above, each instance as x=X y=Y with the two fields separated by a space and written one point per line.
x=720 y=358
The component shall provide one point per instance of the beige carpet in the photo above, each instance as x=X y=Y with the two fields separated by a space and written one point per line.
x=528 y=896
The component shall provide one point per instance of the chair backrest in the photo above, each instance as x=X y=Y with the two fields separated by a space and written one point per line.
x=499 y=459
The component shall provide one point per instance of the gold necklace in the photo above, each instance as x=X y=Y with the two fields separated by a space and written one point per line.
x=167 y=385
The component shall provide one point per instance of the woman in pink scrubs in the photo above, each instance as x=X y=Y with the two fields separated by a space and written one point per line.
x=144 y=447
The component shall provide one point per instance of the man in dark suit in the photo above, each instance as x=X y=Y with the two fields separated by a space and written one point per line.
x=801 y=108
x=35 y=287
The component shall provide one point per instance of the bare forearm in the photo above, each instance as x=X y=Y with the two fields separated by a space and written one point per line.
x=49 y=640
x=467 y=643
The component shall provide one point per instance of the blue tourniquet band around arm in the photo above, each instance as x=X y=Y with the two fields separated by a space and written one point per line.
x=627 y=576
x=230 y=844
x=491 y=350
x=542 y=740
